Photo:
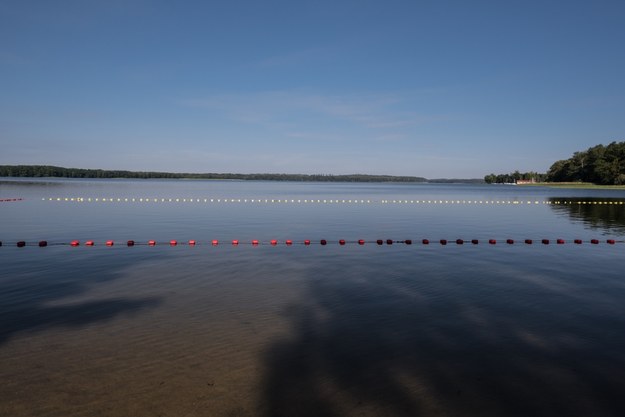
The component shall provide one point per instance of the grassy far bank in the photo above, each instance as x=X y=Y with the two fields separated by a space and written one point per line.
x=579 y=185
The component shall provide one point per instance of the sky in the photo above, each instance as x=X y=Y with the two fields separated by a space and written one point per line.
x=437 y=89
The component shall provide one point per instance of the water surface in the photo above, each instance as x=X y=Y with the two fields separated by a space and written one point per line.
x=402 y=330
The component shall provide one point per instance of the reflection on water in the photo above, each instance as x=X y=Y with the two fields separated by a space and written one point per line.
x=474 y=338
x=605 y=214
x=32 y=299
x=470 y=330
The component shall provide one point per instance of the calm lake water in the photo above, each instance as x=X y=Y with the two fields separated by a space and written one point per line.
x=310 y=330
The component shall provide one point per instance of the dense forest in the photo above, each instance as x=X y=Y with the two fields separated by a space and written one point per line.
x=53 y=171
x=599 y=164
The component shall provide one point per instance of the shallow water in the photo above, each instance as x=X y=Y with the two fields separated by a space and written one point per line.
x=403 y=330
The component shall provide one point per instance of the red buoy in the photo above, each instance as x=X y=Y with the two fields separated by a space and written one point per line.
x=341 y=242
x=215 y=242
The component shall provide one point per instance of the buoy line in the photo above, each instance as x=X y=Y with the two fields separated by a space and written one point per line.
x=215 y=200
x=308 y=242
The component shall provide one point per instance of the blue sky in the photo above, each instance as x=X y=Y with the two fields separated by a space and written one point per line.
x=425 y=88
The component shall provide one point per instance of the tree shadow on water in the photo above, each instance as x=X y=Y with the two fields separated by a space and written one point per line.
x=602 y=214
x=391 y=345
x=31 y=296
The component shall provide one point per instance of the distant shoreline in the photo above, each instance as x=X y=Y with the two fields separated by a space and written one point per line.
x=578 y=185
x=47 y=171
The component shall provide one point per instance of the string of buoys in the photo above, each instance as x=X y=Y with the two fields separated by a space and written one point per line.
x=315 y=201
x=326 y=201
x=308 y=242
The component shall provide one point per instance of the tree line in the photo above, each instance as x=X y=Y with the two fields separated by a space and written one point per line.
x=604 y=165
x=40 y=171
x=513 y=177
x=599 y=164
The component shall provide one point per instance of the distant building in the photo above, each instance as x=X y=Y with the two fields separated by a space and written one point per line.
x=530 y=181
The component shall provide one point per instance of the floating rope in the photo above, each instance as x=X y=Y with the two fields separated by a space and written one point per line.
x=8 y=200
x=307 y=242
x=325 y=201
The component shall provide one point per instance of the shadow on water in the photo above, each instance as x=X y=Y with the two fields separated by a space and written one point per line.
x=32 y=296
x=604 y=214
x=394 y=345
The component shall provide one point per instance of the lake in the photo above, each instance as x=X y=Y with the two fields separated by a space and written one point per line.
x=486 y=329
